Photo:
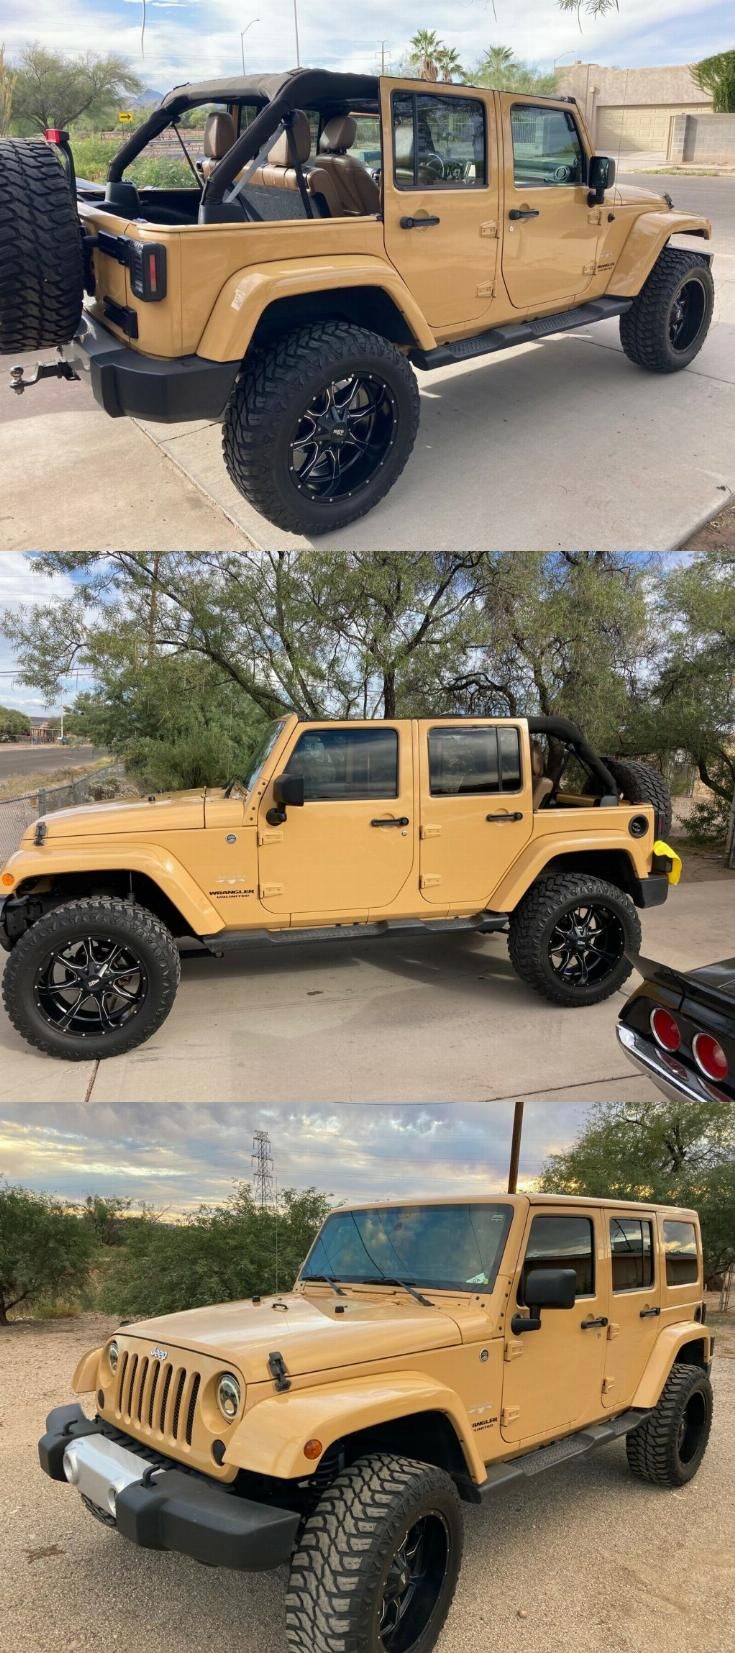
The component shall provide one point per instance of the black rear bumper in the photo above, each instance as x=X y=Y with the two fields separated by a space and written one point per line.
x=182 y=1510
x=651 y=891
x=164 y=389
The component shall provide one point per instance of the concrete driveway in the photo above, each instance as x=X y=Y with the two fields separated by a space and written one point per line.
x=554 y=444
x=403 y=1020
x=583 y=1558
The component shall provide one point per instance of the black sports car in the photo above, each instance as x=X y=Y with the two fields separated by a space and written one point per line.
x=679 y=1028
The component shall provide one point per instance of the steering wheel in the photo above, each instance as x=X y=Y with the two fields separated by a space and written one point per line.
x=433 y=165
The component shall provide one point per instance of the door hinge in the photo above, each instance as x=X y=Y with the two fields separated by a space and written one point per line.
x=270 y=889
x=607 y=1385
x=486 y=289
x=509 y=1415
x=429 y=880
x=429 y=831
x=613 y=1330
x=513 y=1349
x=489 y=229
x=270 y=838
x=595 y=217
x=589 y=269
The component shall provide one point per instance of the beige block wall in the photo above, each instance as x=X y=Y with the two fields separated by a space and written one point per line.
x=597 y=87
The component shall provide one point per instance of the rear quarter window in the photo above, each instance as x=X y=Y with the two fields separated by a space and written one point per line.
x=680 y=1250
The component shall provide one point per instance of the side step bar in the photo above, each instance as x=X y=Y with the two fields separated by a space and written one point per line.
x=560 y=1452
x=229 y=940
x=518 y=332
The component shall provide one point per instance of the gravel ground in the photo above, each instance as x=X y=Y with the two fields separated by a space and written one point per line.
x=584 y=1559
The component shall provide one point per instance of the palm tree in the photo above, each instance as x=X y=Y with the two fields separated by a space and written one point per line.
x=497 y=65
x=448 y=64
x=426 y=48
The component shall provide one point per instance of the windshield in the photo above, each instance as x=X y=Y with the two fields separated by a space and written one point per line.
x=262 y=751
x=449 y=1247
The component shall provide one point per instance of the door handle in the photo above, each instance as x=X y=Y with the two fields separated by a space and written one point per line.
x=418 y=223
x=646 y=1314
x=391 y=821
x=517 y=815
x=523 y=212
x=588 y=1325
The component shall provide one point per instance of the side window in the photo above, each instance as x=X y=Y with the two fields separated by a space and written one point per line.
x=547 y=149
x=680 y=1246
x=561 y=1242
x=473 y=760
x=631 y=1244
x=438 y=142
x=341 y=764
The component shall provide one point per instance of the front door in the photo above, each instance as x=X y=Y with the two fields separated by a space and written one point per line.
x=635 y=1306
x=476 y=810
x=349 y=851
x=550 y=233
x=441 y=198
x=552 y=1378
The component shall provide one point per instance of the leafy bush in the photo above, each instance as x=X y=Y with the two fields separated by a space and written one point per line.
x=92 y=158
x=45 y=1251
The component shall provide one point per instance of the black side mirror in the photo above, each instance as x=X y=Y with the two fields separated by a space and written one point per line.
x=601 y=177
x=288 y=791
x=545 y=1288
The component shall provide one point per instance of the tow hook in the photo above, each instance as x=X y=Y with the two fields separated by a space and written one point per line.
x=42 y=370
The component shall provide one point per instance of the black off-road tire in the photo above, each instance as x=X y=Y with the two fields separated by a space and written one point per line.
x=41 y=269
x=534 y=920
x=275 y=385
x=655 y=1450
x=644 y=328
x=640 y=784
x=339 y=1568
x=113 y=918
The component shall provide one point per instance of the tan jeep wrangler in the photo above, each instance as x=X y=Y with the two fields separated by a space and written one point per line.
x=336 y=231
x=341 y=830
x=430 y=1354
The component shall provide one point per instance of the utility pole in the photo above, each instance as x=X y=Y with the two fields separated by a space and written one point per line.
x=262 y=1170
x=382 y=57
x=243 y=33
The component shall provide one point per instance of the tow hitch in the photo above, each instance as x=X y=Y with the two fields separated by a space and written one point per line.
x=42 y=370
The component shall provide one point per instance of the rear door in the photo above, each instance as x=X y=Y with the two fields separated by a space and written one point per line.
x=349 y=851
x=476 y=809
x=550 y=233
x=441 y=198
x=552 y=1378
x=635 y=1304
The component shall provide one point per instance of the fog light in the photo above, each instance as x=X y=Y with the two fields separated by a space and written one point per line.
x=710 y=1057
x=665 y=1029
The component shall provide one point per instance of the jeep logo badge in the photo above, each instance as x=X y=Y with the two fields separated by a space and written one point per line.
x=159 y=1354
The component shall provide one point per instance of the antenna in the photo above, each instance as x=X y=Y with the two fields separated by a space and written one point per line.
x=262 y=1171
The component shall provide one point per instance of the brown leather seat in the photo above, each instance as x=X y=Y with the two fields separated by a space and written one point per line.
x=356 y=190
x=219 y=136
x=279 y=172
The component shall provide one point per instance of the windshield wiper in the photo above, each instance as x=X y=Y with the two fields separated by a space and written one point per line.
x=392 y=1280
x=329 y=1280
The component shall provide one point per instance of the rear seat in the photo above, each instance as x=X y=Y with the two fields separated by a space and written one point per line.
x=278 y=172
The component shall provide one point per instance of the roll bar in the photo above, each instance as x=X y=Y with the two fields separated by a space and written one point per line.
x=562 y=728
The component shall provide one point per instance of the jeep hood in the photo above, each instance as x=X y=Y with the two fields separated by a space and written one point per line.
x=305 y=1330
x=175 y=812
x=632 y=195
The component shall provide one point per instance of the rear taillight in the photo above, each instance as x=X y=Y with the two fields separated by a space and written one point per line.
x=710 y=1057
x=148 y=270
x=665 y=1029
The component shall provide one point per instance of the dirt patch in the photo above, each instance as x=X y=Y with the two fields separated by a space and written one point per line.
x=701 y=865
x=717 y=535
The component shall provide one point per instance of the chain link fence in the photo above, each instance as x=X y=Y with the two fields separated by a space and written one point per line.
x=18 y=813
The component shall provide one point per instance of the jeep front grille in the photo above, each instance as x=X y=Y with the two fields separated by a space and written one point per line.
x=158 y=1398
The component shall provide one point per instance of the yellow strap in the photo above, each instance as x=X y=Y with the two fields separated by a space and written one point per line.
x=661 y=848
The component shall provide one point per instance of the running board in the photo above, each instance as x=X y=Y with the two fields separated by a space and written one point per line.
x=560 y=1452
x=518 y=332
x=230 y=940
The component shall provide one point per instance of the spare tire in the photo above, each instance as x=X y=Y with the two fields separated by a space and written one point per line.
x=640 y=784
x=41 y=266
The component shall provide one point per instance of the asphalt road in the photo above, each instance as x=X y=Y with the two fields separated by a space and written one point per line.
x=584 y=1558
x=35 y=760
x=715 y=197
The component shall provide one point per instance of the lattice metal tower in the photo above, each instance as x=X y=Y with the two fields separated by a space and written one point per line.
x=262 y=1171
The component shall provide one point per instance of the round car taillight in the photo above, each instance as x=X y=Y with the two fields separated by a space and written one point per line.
x=710 y=1057
x=665 y=1029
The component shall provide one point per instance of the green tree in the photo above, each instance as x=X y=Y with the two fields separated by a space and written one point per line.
x=589 y=8
x=106 y=1218
x=44 y=1249
x=499 y=67
x=425 y=50
x=221 y=1254
x=7 y=90
x=13 y=723
x=449 y=65
x=716 y=75
x=55 y=89
x=673 y=1153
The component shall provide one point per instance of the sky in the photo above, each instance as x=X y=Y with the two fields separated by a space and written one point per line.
x=187 y=39
x=174 y=1157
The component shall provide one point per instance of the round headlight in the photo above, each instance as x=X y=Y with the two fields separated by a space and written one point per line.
x=113 y=1355
x=228 y=1395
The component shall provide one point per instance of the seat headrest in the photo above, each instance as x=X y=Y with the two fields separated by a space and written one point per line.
x=219 y=135
x=339 y=134
x=297 y=142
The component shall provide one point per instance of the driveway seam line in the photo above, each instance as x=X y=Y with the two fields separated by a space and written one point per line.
x=92 y=1081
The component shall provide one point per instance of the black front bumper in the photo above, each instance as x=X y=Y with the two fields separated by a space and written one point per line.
x=163 y=389
x=182 y=1510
